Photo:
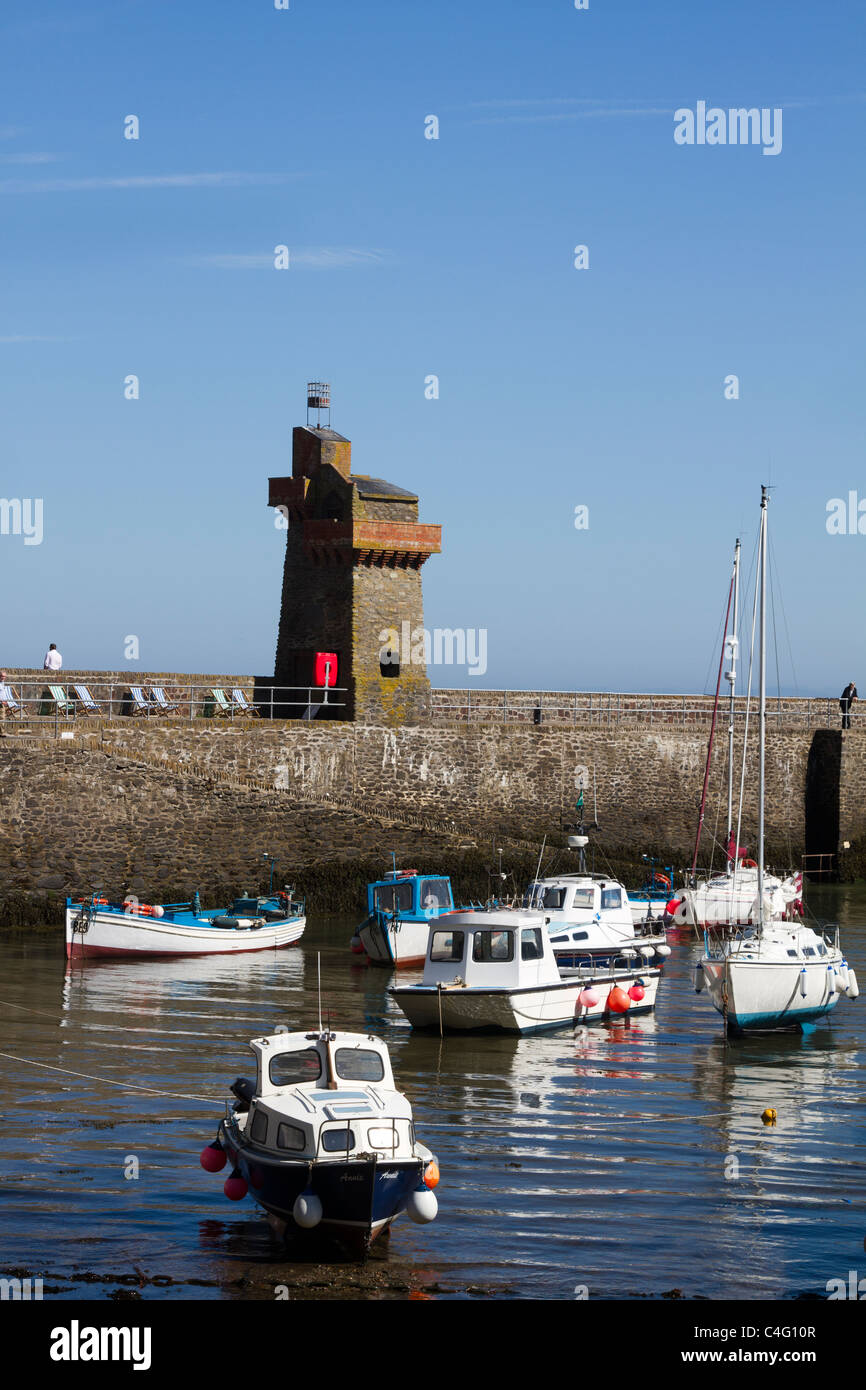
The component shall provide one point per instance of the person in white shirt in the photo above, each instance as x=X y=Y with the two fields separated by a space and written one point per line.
x=53 y=659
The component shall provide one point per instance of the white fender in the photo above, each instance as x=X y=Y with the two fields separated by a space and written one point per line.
x=699 y=977
x=853 y=987
x=307 y=1210
x=422 y=1206
x=803 y=982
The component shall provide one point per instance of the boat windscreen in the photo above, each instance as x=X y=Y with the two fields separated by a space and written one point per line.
x=435 y=896
x=393 y=897
x=294 y=1068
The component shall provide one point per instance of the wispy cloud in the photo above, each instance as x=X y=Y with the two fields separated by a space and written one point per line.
x=28 y=158
x=222 y=179
x=310 y=257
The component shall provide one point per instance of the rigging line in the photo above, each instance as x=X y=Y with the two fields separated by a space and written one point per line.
x=774 y=568
x=712 y=733
x=738 y=841
x=713 y=649
x=104 y=1080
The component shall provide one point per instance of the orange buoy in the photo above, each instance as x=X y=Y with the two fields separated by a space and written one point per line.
x=431 y=1173
x=618 y=1001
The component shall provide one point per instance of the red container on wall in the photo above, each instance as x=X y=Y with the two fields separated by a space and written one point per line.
x=325 y=669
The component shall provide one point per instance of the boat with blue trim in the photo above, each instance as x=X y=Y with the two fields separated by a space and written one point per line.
x=400 y=908
x=588 y=916
x=96 y=926
x=324 y=1140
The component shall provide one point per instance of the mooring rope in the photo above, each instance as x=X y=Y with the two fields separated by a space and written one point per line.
x=104 y=1080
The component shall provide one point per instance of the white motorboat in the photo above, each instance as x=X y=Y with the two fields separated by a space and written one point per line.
x=496 y=972
x=324 y=1139
x=732 y=899
x=97 y=927
x=590 y=916
x=771 y=974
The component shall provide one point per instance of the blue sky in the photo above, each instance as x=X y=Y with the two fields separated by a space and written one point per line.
x=453 y=257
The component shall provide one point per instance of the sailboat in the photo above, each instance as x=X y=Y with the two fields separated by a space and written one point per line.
x=731 y=897
x=771 y=974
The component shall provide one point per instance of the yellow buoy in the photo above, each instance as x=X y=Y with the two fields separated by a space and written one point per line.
x=769 y=1117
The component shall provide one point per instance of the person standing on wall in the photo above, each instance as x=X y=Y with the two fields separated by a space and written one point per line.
x=53 y=660
x=846 y=700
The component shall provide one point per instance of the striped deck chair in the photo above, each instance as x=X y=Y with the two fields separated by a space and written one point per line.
x=61 y=703
x=222 y=703
x=86 y=700
x=140 y=702
x=11 y=705
x=157 y=694
x=242 y=704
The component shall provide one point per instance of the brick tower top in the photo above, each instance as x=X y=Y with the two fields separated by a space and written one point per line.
x=367 y=530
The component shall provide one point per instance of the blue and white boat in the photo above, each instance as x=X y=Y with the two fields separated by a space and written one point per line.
x=324 y=1140
x=588 y=918
x=96 y=926
x=400 y=908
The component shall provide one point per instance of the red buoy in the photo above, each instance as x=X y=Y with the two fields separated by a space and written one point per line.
x=213 y=1158
x=671 y=907
x=636 y=992
x=618 y=1001
x=235 y=1186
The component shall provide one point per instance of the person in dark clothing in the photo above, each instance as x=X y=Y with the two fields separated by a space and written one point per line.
x=846 y=700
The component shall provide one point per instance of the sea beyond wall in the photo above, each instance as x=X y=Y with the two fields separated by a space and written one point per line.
x=160 y=807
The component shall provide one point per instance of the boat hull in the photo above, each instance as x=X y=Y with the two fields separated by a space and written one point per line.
x=397 y=945
x=534 y=1010
x=767 y=997
x=123 y=935
x=360 y=1197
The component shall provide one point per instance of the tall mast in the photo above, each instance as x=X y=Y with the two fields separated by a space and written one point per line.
x=762 y=707
x=731 y=675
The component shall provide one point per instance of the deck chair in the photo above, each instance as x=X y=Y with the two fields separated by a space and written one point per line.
x=157 y=695
x=242 y=704
x=86 y=700
x=140 y=702
x=61 y=703
x=10 y=703
x=222 y=704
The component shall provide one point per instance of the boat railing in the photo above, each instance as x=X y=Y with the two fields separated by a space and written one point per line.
x=350 y=1148
x=57 y=705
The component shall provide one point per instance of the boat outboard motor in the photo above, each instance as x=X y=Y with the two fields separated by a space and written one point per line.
x=245 y=1090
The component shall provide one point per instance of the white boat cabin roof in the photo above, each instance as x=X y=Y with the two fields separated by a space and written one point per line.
x=320 y=1062
x=508 y=948
x=576 y=892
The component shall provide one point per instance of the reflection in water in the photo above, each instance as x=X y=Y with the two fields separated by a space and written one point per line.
x=630 y=1157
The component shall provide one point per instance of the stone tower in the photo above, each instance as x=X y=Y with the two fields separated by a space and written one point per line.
x=354 y=552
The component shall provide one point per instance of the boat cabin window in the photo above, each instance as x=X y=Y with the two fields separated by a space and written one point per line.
x=541 y=895
x=337 y=1140
x=434 y=896
x=531 y=947
x=259 y=1127
x=493 y=946
x=792 y=953
x=611 y=897
x=809 y=951
x=447 y=945
x=579 y=935
x=822 y=950
x=394 y=897
x=293 y=1068
x=290 y=1137
x=583 y=897
x=386 y=1140
x=359 y=1064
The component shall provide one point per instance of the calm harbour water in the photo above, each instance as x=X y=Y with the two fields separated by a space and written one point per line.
x=597 y=1159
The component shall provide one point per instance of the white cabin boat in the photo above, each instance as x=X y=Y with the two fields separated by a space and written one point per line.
x=324 y=1139
x=732 y=899
x=496 y=971
x=589 y=916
